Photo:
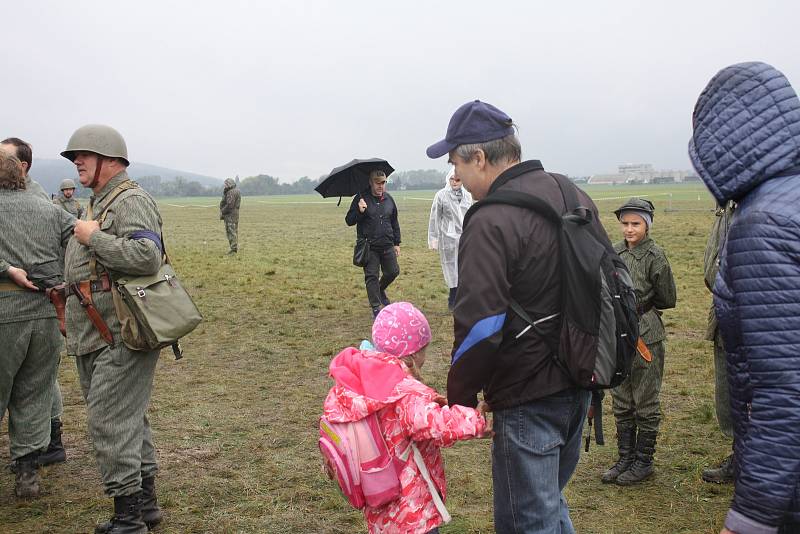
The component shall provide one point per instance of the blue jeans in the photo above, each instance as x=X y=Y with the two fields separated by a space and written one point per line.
x=535 y=450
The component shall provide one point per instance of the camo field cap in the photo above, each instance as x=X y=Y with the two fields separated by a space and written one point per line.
x=97 y=138
x=67 y=184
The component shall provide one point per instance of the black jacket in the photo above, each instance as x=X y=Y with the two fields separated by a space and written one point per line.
x=378 y=223
x=508 y=251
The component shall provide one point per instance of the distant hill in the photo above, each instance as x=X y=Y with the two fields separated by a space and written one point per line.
x=50 y=172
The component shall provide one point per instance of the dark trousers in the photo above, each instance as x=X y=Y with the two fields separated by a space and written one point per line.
x=379 y=260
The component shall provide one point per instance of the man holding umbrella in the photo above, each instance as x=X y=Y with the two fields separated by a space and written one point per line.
x=374 y=212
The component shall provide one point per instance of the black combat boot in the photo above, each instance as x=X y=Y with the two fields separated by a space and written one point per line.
x=642 y=467
x=151 y=513
x=725 y=473
x=55 y=452
x=626 y=442
x=127 y=517
x=27 y=470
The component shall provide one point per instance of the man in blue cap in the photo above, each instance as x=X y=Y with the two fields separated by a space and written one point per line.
x=506 y=254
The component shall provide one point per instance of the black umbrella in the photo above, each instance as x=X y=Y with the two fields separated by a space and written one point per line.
x=351 y=178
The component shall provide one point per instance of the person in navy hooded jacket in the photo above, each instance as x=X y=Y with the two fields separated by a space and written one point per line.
x=746 y=147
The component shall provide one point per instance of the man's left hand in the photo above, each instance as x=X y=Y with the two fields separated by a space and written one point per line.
x=397 y=250
x=84 y=229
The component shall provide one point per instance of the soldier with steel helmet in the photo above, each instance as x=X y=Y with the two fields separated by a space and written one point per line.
x=636 y=406
x=116 y=381
x=67 y=201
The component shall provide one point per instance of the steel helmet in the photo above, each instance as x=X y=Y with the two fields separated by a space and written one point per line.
x=637 y=204
x=67 y=184
x=97 y=138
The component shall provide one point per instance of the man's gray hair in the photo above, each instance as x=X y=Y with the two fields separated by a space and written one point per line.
x=504 y=150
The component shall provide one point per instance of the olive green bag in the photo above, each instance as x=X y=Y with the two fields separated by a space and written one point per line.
x=154 y=311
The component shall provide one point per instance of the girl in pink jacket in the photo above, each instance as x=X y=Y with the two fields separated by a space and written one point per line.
x=386 y=380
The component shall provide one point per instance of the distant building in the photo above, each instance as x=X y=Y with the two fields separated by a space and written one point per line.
x=641 y=173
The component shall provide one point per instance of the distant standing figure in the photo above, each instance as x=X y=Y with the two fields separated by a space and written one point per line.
x=229 y=212
x=637 y=409
x=375 y=214
x=67 y=201
x=444 y=228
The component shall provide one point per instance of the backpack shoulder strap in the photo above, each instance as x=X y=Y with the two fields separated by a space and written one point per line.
x=516 y=198
x=121 y=188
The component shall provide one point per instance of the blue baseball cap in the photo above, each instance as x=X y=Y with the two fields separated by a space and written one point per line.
x=474 y=122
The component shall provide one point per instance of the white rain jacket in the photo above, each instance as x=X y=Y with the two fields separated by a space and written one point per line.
x=444 y=228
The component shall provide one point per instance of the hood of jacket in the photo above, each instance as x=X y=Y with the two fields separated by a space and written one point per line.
x=229 y=184
x=365 y=382
x=746 y=130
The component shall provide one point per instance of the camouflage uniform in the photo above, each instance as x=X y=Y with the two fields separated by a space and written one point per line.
x=716 y=239
x=116 y=381
x=70 y=205
x=32 y=186
x=33 y=232
x=229 y=212
x=636 y=399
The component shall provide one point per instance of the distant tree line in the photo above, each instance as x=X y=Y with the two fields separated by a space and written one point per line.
x=264 y=184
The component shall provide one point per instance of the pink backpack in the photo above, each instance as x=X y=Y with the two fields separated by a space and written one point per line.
x=359 y=460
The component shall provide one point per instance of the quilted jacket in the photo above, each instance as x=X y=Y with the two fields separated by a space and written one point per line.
x=408 y=410
x=746 y=147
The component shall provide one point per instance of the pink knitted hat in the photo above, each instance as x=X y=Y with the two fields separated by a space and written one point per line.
x=400 y=329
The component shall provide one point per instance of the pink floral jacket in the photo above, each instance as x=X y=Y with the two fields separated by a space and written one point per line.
x=407 y=412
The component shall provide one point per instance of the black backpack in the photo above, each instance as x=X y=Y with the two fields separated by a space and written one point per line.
x=599 y=324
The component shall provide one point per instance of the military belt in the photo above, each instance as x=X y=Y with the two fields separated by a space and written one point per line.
x=10 y=286
x=101 y=285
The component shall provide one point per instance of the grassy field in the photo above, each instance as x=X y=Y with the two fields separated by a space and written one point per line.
x=235 y=421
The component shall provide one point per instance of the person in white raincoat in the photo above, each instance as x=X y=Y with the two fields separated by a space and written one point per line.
x=444 y=229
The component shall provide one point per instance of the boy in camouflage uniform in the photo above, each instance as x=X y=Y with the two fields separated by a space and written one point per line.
x=229 y=212
x=67 y=201
x=33 y=235
x=635 y=402
x=116 y=381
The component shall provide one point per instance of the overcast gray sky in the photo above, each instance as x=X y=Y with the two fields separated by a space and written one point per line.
x=295 y=88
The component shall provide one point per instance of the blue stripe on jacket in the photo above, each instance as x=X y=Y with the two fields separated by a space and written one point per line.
x=486 y=327
x=148 y=234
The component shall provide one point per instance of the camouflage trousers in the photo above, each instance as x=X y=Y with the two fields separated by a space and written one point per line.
x=232 y=231
x=116 y=384
x=57 y=407
x=636 y=400
x=722 y=399
x=28 y=366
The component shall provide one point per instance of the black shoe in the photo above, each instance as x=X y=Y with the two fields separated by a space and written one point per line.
x=626 y=443
x=27 y=479
x=725 y=473
x=127 y=518
x=375 y=311
x=230 y=252
x=55 y=452
x=642 y=467
x=384 y=299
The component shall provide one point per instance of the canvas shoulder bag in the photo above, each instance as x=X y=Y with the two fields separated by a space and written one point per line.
x=154 y=311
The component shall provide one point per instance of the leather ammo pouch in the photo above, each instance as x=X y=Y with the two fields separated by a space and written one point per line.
x=154 y=311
